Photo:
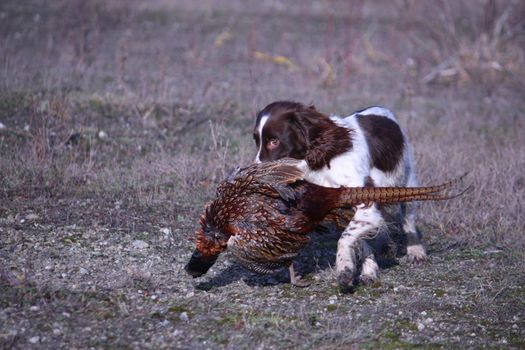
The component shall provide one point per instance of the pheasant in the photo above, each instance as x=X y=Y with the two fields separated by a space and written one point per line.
x=264 y=212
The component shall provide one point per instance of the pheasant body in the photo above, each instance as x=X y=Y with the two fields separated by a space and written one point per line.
x=264 y=212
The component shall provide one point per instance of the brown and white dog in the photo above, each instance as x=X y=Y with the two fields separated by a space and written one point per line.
x=350 y=151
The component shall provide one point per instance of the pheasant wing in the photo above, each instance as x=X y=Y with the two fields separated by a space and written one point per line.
x=265 y=250
x=273 y=178
x=282 y=171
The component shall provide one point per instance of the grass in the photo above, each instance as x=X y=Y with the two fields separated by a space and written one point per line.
x=121 y=118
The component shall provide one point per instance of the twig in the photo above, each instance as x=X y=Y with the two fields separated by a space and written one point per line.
x=497 y=294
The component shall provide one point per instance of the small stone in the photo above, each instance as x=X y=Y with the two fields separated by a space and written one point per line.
x=2 y=126
x=102 y=135
x=165 y=230
x=57 y=331
x=34 y=340
x=423 y=313
x=177 y=333
x=32 y=216
x=190 y=294
x=140 y=244
x=400 y=288
x=420 y=326
x=83 y=271
x=34 y=308
x=184 y=316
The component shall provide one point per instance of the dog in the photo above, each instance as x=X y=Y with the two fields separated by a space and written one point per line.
x=367 y=148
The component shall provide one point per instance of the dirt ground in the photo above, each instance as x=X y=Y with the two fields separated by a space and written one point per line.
x=119 y=118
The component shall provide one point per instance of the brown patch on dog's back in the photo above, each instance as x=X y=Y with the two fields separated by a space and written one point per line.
x=385 y=140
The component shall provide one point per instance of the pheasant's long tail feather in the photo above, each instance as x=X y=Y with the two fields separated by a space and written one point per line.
x=358 y=195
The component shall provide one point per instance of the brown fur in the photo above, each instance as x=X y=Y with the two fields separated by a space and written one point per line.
x=303 y=132
x=385 y=141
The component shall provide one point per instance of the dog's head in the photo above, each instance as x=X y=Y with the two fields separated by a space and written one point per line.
x=291 y=129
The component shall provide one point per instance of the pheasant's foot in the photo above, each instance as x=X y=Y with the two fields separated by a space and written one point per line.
x=296 y=279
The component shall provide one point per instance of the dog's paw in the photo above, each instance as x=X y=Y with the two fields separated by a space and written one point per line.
x=369 y=272
x=416 y=254
x=345 y=279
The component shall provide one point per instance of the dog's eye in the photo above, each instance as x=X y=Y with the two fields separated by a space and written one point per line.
x=272 y=144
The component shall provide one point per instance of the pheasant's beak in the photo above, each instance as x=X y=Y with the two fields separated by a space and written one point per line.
x=199 y=265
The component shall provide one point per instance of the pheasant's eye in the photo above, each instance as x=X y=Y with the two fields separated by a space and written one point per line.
x=272 y=144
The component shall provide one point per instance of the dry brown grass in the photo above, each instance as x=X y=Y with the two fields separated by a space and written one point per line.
x=120 y=118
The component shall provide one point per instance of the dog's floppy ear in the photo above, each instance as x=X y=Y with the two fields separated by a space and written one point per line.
x=324 y=138
x=297 y=123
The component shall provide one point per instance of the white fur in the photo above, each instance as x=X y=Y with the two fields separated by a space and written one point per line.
x=351 y=169
x=377 y=111
x=260 y=127
x=370 y=269
x=416 y=253
x=347 y=169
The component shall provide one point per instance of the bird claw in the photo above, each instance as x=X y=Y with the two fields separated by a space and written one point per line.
x=295 y=279
x=299 y=282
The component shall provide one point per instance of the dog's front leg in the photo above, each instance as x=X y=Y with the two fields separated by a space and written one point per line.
x=364 y=225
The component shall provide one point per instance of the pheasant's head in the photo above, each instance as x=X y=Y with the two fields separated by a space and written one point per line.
x=211 y=241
